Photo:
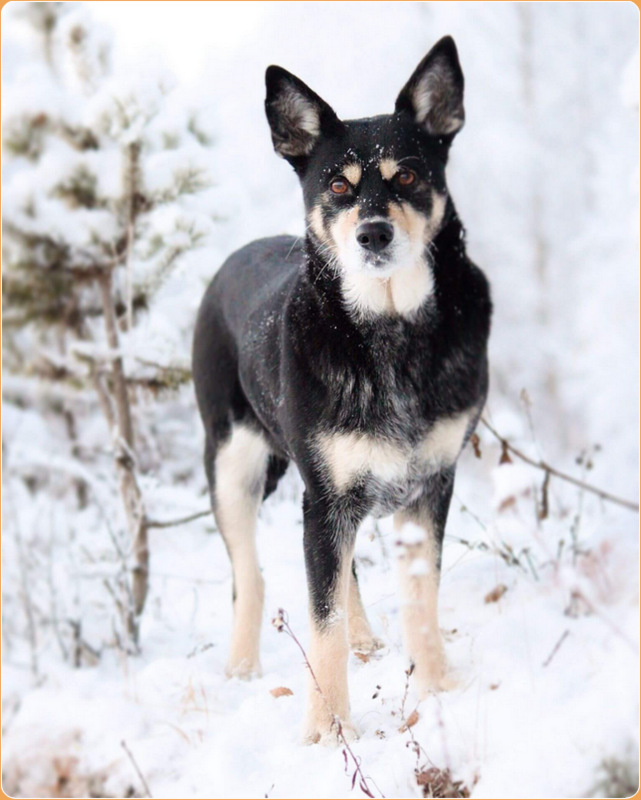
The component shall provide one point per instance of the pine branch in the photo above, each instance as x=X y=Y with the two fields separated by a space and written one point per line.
x=187 y=180
x=79 y=138
x=55 y=256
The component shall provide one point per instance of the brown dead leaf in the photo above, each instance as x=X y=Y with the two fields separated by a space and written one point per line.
x=65 y=767
x=439 y=783
x=409 y=722
x=364 y=657
x=507 y=503
x=475 y=441
x=505 y=454
x=280 y=691
x=496 y=594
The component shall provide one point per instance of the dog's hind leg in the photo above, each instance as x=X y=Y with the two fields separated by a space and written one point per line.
x=361 y=638
x=420 y=530
x=238 y=482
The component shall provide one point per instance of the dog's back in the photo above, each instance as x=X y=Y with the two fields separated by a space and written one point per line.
x=246 y=292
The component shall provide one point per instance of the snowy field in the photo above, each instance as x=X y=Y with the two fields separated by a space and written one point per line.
x=539 y=592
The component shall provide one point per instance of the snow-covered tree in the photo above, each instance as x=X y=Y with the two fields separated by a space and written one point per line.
x=102 y=169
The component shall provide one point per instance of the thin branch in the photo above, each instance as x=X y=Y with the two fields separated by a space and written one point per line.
x=543 y=465
x=416 y=746
x=120 y=387
x=281 y=623
x=171 y=523
x=556 y=648
x=145 y=785
x=25 y=592
x=131 y=180
x=126 y=466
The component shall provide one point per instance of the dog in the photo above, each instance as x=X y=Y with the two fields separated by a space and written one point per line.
x=360 y=354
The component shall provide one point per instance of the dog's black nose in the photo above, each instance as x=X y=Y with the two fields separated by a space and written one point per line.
x=374 y=236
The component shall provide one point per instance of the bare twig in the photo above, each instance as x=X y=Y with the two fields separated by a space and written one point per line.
x=612 y=625
x=544 y=508
x=556 y=648
x=145 y=785
x=543 y=465
x=413 y=744
x=170 y=523
x=25 y=591
x=281 y=623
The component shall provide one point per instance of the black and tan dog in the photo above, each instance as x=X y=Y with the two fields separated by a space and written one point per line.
x=358 y=353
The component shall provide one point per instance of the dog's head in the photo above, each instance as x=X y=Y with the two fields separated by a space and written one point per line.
x=374 y=189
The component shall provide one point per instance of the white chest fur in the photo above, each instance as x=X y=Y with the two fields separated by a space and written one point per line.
x=348 y=456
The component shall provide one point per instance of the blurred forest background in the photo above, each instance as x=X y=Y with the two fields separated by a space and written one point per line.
x=135 y=158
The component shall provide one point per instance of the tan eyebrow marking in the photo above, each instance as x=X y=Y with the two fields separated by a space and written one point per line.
x=388 y=168
x=353 y=172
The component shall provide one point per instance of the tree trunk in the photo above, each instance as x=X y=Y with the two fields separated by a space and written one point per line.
x=126 y=465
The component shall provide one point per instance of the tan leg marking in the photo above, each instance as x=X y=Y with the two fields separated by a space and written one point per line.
x=361 y=637
x=328 y=655
x=419 y=582
x=240 y=470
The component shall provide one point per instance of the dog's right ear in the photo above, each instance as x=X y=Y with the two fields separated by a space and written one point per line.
x=433 y=96
x=297 y=116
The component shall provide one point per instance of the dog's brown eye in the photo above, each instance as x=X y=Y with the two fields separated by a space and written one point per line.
x=405 y=177
x=339 y=186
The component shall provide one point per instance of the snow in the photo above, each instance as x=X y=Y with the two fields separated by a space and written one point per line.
x=545 y=177
x=194 y=733
x=411 y=534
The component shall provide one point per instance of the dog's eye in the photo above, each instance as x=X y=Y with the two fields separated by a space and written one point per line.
x=405 y=177
x=339 y=186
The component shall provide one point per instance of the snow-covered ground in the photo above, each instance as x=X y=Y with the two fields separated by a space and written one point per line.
x=545 y=176
x=524 y=720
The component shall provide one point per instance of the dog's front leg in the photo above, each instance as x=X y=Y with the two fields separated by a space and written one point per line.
x=329 y=544
x=361 y=638
x=420 y=529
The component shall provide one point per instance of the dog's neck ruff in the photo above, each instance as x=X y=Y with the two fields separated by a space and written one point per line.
x=403 y=293
x=367 y=295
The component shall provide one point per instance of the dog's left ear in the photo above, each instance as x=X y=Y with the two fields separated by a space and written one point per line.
x=297 y=116
x=434 y=93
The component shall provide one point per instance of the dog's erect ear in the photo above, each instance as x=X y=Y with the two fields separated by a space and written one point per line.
x=297 y=116
x=434 y=93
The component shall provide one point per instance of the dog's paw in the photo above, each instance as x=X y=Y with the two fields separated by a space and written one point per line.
x=366 y=645
x=437 y=679
x=331 y=735
x=443 y=683
x=243 y=668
